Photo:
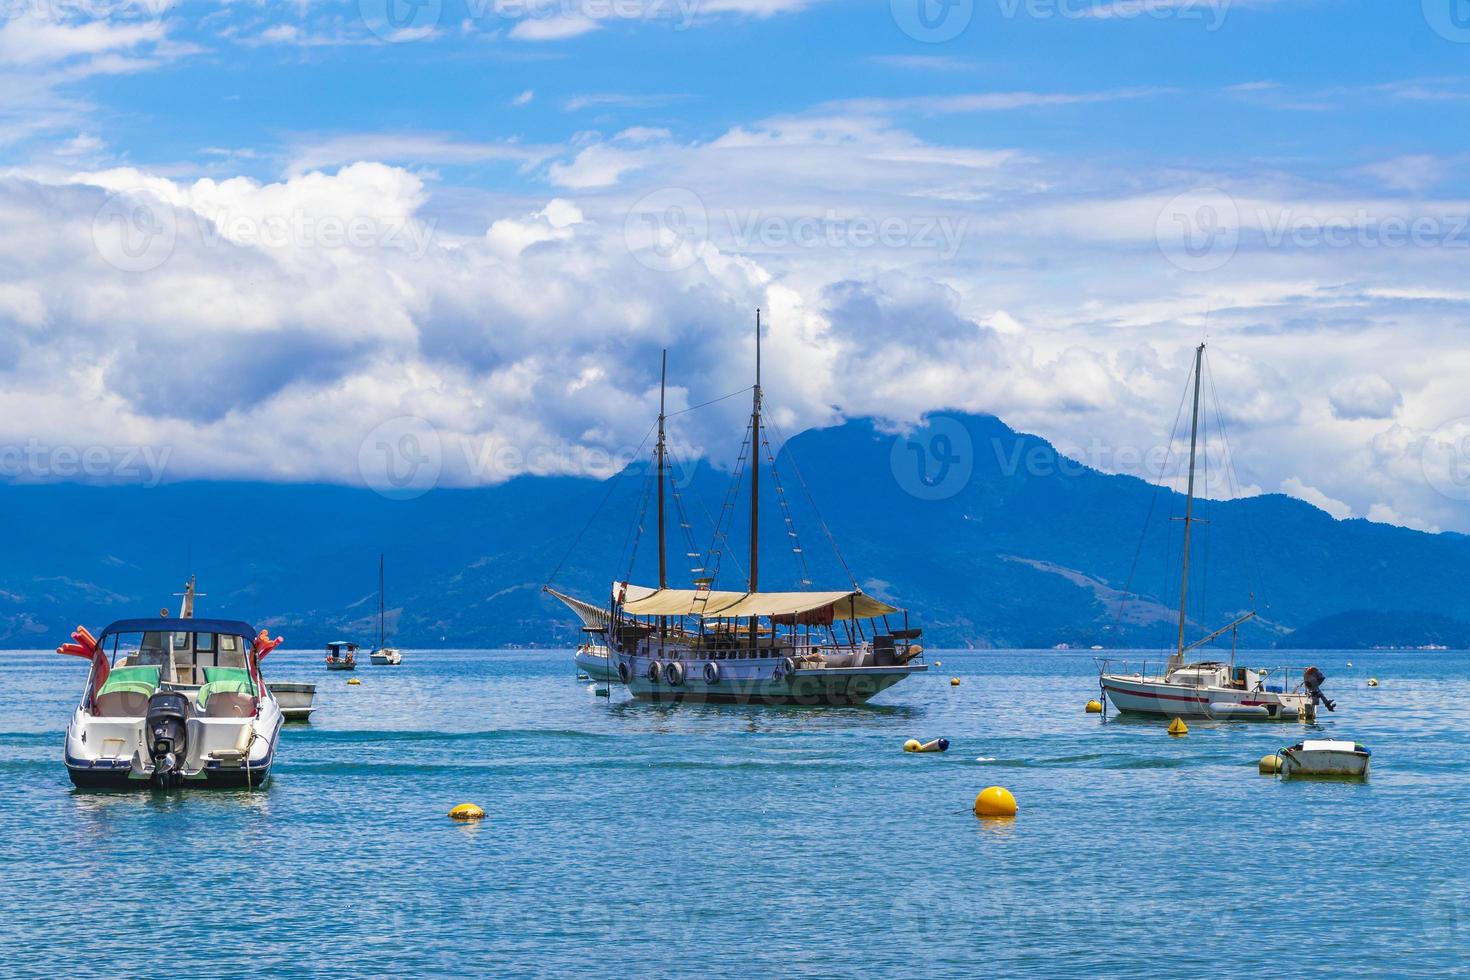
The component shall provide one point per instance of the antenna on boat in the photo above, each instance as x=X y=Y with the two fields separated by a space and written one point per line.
x=663 y=572
x=186 y=608
x=1178 y=658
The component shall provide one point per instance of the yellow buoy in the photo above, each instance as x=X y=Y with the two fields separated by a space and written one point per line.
x=1270 y=765
x=353 y=680
x=995 y=801
x=466 y=811
x=912 y=745
x=1178 y=727
x=954 y=682
x=1094 y=707
x=1372 y=682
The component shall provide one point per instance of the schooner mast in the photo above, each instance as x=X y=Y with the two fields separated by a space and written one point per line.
x=752 y=585
x=663 y=570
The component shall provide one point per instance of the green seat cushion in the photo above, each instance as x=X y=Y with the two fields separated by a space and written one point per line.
x=232 y=674
x=138 y=680
x=125 y=687
x=223 y=687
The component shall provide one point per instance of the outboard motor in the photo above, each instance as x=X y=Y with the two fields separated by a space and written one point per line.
x=166 y=730
x=1313 y=678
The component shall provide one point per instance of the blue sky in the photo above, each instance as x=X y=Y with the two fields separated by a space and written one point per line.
x=489 y=217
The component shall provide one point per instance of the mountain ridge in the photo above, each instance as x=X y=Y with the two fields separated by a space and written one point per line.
x=1017 y=546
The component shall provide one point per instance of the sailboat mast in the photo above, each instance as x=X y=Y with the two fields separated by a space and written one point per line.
x=1199 y=356
x=382 y=630
x=755 y=464
x=663 y=570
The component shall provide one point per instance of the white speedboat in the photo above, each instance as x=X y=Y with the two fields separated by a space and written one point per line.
x=1325 y=759
x=383 y=655
x=173 y=702
x=749 y=646
x=1209 y=688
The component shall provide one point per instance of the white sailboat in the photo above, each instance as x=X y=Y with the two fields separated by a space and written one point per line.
x=383 y=655
x=749 y=646
x=1209 y=688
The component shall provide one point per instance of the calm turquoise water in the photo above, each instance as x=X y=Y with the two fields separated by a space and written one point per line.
x=687 y=840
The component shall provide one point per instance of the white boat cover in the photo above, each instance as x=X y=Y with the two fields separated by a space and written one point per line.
x=1326 y=745
x=813 y=606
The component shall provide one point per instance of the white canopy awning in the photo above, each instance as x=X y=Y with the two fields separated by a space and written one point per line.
x=813 y=606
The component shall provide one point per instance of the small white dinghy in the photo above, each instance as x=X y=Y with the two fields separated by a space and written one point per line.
x=1324 y=758
x=294 y=698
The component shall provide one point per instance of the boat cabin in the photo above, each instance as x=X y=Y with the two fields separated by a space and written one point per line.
x=208 y=661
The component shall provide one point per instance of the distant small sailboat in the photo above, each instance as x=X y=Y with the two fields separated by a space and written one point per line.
x=1209 y=688
x=383 y=655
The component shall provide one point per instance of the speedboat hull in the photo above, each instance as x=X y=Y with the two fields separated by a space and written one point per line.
x=1156 y=696
x=110 y=753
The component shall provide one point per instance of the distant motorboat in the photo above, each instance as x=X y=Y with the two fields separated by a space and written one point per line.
x=1209 y=688
x=341 y=655
x=383 y=655
x=294 y=698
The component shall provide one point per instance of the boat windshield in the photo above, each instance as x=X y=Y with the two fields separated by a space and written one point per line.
x=181 y=656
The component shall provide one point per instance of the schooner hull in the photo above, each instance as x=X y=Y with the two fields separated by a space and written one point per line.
x=1152 y=696
x=764 y=682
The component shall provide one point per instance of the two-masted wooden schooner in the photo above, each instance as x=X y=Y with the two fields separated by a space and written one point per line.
x=748 y=646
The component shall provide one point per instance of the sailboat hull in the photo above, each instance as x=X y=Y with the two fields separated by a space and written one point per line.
x=1156 y=696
